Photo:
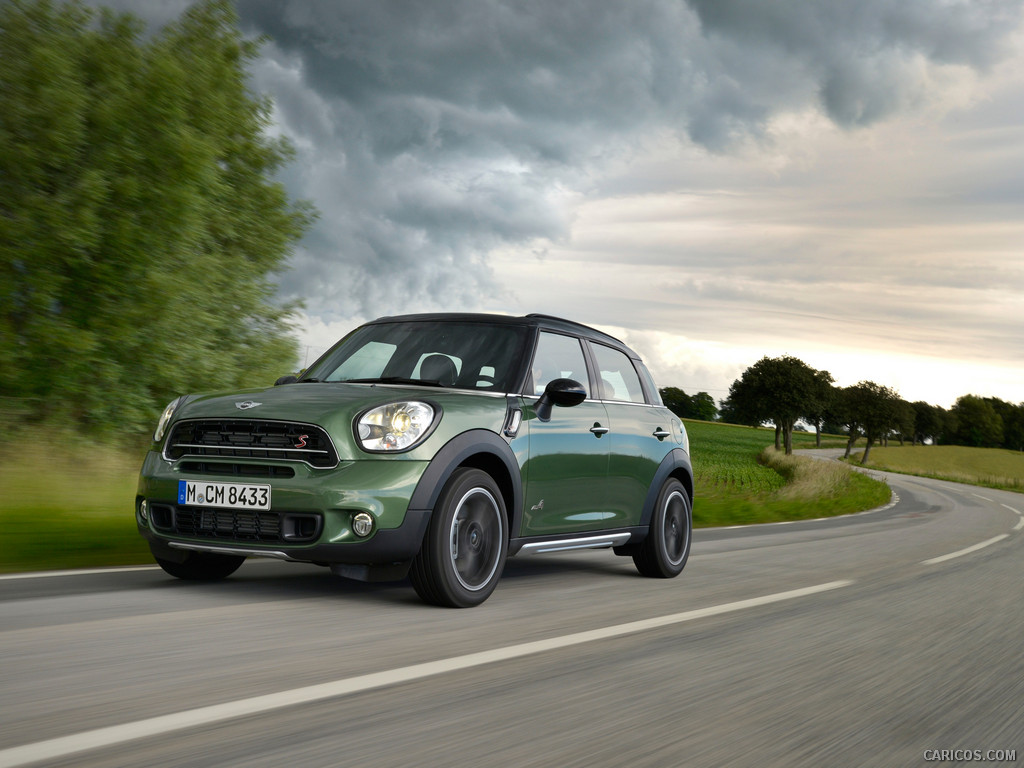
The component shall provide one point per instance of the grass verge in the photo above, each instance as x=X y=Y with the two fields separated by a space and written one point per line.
x=810 y=489
x=988 y=467
x=741 y=479
x=68 y=508
x=72 y=506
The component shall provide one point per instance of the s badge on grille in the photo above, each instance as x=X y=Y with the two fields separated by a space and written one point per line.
x=245 y=406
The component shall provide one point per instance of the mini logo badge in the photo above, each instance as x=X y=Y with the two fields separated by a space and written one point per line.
x=245 y=406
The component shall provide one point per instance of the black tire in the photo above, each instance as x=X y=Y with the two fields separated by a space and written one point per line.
x=202 y=566
x=664 y=552
x=466 y=543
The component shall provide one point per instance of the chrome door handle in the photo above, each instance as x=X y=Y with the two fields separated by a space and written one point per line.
x=661 y=434
x=598 y=430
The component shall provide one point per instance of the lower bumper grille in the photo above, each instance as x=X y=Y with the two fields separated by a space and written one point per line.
x=236 y=524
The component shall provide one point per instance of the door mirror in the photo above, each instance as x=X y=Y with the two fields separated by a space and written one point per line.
x=289 y=379
x=561 y=392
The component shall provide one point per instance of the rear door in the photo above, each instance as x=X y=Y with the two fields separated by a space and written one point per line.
x=640 y=435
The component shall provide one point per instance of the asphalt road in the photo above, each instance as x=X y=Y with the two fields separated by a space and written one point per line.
x=881 y=639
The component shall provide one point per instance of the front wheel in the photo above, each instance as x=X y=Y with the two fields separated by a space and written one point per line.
x=201 y=566
x=664 y=552
x=464 y=550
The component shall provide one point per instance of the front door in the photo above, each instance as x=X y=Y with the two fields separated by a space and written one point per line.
x=567 y=468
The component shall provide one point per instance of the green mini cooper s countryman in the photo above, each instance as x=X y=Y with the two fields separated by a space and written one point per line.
x=428 y=446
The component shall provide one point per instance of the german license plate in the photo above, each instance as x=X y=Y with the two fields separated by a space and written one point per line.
x=197 y=493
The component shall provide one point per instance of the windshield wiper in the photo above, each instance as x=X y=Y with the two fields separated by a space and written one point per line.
x=395 y=380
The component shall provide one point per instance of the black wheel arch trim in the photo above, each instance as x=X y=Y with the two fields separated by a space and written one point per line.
x=677 y=463
x=456 y=453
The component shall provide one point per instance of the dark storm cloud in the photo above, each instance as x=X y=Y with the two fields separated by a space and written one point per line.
x=431 y=133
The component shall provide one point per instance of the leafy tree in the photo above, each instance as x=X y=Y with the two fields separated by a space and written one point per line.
x=704 y=407
x=779 y=389
x=700 y=406
x=821 y=403
x=929 y=421
x=675 y=400
x=1012 y=417
x=904 y=419
x=978 y=423
x=871 y=410
x=140 y=225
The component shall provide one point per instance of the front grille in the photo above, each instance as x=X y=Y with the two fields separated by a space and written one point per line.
x=236 y=524
x=237 y=470
x=251 y=439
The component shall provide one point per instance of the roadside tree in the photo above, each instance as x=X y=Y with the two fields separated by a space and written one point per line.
x=929 y=422
x=140 y=222
x=904 y=420
x=700 y=406
x=978 y=423
x=1012 y=417
x=781 y=390
x=869 y=410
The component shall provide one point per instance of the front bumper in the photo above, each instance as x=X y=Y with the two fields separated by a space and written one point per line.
x=310 y=519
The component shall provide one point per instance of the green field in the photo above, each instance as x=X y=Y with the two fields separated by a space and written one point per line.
x=72 y=507
x=990 y=467
x=741 y=479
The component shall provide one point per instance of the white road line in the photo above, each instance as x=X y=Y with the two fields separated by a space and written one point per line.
x=1019 y=525
x=975 y=548
x=978 y=495
x=53 y=749
x=1015 y=511
x=76 y=572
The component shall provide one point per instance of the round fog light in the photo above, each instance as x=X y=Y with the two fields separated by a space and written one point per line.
x=362 y=524
x=143 y=512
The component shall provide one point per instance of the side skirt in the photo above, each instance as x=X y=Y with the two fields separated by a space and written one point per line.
x=538 y=545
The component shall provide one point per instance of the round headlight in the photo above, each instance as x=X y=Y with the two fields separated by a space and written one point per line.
x=165 y=419
x=395 y=426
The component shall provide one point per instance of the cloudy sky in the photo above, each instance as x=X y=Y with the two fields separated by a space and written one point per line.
x=711 y=180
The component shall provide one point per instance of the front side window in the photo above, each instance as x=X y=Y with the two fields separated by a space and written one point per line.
x=461 y=355
x=619 y=380
x=557 y=357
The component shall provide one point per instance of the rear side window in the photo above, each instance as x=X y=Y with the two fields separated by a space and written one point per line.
x=652 y=391
x=618 y=378
x=557 y=357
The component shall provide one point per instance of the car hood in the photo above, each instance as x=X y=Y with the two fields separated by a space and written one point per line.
x=314 y=402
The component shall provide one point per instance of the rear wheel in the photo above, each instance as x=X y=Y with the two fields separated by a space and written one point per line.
x=463 y=553
x=202 y=566
x=664 y=552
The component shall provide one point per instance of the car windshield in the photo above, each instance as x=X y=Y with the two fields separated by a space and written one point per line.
x=458 y=354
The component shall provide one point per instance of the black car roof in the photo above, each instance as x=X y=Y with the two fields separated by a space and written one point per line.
x=533 y=320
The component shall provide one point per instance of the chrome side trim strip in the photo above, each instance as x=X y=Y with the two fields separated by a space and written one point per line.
x=277 y=555
x=588 y=542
